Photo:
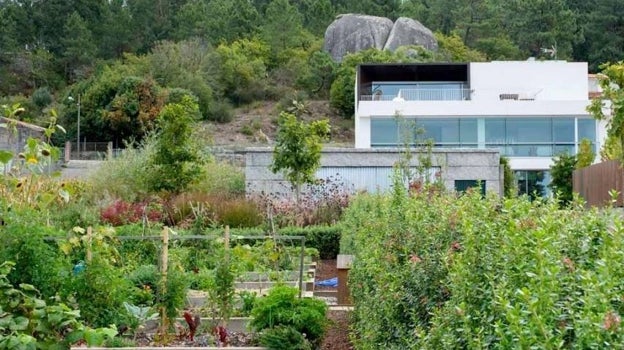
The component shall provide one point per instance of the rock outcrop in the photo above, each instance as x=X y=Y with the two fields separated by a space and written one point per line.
x=407 y=31
x=352 y=33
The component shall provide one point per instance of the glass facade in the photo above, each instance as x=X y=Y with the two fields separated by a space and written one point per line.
x=514 y=137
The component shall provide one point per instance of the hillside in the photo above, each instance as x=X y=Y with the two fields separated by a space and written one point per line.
x=256 y=125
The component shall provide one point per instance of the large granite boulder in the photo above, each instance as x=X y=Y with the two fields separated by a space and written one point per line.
x=407 y=31
x=352 y=33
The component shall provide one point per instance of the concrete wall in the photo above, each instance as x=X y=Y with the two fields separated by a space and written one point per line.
x=353 y=164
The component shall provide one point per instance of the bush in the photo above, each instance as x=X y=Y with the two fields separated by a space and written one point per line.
x=281 y=307
x=326 y=239
x=284 y=338
x=123 y=177
x=444 y=271
x=220 y=178
x=37 y=262
x=220 y=111
x=238 y=213
x=121 y=213
x=42 y=97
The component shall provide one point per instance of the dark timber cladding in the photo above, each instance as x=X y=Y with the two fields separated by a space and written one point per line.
x=410 y=72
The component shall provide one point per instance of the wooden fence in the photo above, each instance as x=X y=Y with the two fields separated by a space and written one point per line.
x=595 y=182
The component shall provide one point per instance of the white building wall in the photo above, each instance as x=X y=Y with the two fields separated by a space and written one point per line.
x=543 y=80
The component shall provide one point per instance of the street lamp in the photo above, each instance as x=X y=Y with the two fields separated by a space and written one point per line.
x=71 y=99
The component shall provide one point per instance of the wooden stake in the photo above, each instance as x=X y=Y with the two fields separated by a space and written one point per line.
x=89 y=238
x=164 y=262
x=227 y=242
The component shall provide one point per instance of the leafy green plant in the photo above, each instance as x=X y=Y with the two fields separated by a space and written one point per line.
x=28 y=322
x=141 y=314
x=281 y=307
x=284 y=338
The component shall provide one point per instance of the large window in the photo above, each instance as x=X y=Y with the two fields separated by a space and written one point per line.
x=533 y=183
x=514 y=137
x=445 y=132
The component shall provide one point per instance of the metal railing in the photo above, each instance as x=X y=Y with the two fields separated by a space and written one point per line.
x=89 y=151
x=421 y=95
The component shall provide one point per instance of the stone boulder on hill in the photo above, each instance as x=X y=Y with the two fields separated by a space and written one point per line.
x=407 y=31
x=351 y=33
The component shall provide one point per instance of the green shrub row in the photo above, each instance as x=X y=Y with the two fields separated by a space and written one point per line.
x=326 y=239
x=437 y=271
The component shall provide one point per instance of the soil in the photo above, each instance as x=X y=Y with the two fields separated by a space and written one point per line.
x=256 y=125
x=337 y=335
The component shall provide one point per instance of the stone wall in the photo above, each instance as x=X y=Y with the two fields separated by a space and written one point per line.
x=359 y=166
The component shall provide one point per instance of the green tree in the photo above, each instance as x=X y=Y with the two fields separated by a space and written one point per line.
x=217 y=20
x=317 y=15
x=283 y=26
x=611 y=149
x=561 y=173
x=297 y=151
x=453 y=49
x=80 y=49
x=176 y=162
x=185 y=65
x=537 y=24
x=240 y=70
x=586 y=154
x=611 y=81
x=509 y=182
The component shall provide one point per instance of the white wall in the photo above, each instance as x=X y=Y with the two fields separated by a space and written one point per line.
x=545 y=80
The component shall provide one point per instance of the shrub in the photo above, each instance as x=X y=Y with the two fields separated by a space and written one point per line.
x=284 y=338
x=37 y=262
x=42 y=97
x=281 y=307
x=238 y=213
x=29 y=322
x=121 y=213
x=220 y=111
x=326 y=239
x=220 y=178
x=321 y=203
x=445 y=272
x=123 y=177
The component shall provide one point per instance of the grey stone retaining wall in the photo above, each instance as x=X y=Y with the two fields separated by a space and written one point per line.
x=368 y=169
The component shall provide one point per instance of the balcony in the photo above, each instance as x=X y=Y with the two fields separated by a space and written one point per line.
x=421 y=95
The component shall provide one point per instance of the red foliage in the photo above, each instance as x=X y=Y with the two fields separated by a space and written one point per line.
x=222 y=334
x=121 y=212
x=193 y=323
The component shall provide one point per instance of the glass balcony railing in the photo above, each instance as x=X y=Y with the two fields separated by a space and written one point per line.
x=421 y=95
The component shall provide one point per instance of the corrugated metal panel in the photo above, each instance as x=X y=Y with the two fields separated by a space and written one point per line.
x=370 y=179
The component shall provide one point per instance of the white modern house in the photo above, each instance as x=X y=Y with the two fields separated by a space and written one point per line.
x=529 y=110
